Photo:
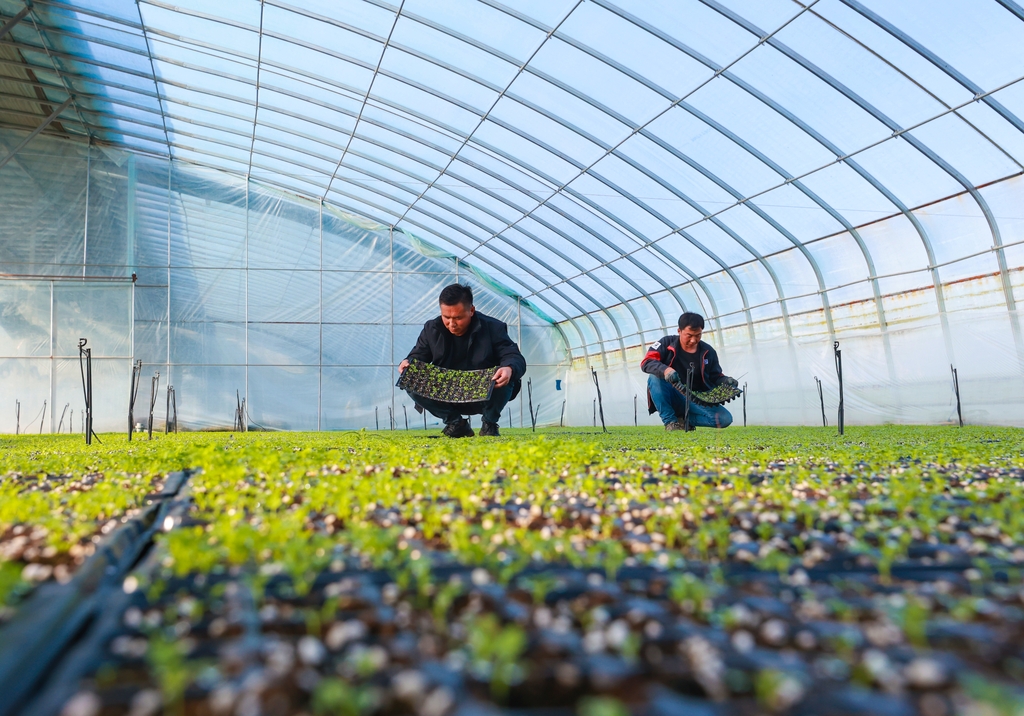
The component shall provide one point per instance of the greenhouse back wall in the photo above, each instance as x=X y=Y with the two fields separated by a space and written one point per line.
x=262 y=201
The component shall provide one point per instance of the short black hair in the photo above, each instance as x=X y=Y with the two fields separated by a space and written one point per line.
x=455 y=294
x=691 y=320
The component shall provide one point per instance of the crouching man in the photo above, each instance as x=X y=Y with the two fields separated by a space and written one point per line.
x=666 y=363
x=463 y=339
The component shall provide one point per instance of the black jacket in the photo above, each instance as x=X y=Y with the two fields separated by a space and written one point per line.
x=662 y=355
x=489 y=347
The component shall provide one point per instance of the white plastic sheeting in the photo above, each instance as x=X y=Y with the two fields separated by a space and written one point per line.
x=301 y=308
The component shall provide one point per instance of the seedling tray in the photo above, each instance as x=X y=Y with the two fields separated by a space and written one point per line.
x=719 y=395
x=449 y=386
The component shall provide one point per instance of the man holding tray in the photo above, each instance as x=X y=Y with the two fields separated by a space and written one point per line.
x=462 y=339
x=667 y=362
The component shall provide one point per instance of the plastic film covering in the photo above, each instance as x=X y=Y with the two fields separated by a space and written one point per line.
x=274 y=173
x=240 y=290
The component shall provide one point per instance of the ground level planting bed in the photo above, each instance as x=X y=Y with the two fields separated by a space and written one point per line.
x=748 y=571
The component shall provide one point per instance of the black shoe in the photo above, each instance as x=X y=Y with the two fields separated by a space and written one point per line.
x=458 y=429
x=489 y=429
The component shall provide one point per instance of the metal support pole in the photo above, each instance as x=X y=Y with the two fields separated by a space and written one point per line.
x=36 y=131
x=133 y=394
x=821 y=397
x=956 y=389
x=85 y=367
x=636 y=423
x=60 y=426
x=167 y=410
x=154 y=389
x=42 y=419
x=376 y=417
x=405 y=410
x=600 y=403
x=529 y=393
x=561 y=416
x=839 y=372
x=744 y=405
x=9 y=25
x=689 y=387
x=17 y=417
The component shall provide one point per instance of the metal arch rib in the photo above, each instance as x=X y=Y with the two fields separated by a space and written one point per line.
x=366 y=98
x=913 y=141
x=920 y=49
x=583 y=312
x=745 y=145
x=515 y=163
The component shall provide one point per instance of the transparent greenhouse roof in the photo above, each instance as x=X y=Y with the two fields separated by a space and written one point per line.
x=605 y=157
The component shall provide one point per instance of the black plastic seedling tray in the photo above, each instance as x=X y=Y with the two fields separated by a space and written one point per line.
x=719 y=395
x=449 y=386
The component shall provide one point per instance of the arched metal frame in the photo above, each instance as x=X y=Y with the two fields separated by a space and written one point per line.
x=589 y=237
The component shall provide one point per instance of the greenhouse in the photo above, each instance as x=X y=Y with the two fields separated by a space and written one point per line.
x=262 y=262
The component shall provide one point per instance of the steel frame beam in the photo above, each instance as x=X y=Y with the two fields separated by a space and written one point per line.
x=35 y=132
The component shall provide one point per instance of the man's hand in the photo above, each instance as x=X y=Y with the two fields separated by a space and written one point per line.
x=672 y=375
x=501 y=377
x=731 y=382
x=402 y=366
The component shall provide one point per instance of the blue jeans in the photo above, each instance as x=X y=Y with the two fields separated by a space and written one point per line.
x=450 y=412
x=671 y=405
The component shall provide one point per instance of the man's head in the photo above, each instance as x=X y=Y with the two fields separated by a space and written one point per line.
x=691 y=327
x=457 y=308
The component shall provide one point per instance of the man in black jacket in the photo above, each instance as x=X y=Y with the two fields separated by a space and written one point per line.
x=666 y=363
x=462 y=339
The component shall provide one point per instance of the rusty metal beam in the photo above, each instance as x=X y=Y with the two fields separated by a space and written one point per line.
x=9 y=25
x=37 y=130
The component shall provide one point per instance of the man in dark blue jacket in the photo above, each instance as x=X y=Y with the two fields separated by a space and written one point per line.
x=463 y=339
x=666 y=363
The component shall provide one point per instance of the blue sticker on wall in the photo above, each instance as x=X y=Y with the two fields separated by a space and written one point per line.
x=558 y=383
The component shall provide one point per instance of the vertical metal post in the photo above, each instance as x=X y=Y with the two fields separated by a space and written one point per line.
x=821 y=397
x=744 y=405
x=529 y=393
x=689 y=388
x=85 y=367
x=636 y=423
x=167 y=410
x=956 y=389
x=405 y=411
x=519 y=342
x=561 y=417
x=17 y=417
x=133 y=394
x=376 y=417
x=154 y=390
x=320 y=354
x=43 y=418
x=168 y=325
x=85 y=233
x=391 y=235
x=246 y=272
x=53 y=352
x=839 y=372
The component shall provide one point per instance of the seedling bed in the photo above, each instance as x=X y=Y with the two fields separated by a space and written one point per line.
x=449 y=386
x=742 y=571
x=54 y=511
